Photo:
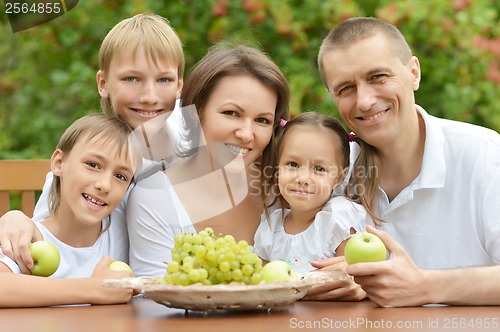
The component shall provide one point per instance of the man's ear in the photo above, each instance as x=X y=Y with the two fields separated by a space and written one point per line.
x=415 y=70
x=56 y=162
x=101 y=84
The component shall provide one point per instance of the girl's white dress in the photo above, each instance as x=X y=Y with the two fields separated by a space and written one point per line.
x=320 y=240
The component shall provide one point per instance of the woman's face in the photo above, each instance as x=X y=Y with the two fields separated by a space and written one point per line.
x=240 y=114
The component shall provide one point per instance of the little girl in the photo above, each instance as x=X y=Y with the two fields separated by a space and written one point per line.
x=93 y=166
x=312 y=161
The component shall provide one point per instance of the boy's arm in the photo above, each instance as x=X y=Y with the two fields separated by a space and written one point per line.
x=19 y=290
x=17 y=231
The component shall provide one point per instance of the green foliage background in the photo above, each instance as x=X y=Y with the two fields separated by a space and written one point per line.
x=47 y=73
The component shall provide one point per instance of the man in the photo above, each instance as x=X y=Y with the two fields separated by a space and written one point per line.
x=437 y=185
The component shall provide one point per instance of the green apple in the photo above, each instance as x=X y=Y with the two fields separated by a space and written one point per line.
x=46 y=258
x=119 y=266
x=278 y=271
x=364 y=247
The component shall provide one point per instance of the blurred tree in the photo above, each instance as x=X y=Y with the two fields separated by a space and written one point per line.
x=48 y=72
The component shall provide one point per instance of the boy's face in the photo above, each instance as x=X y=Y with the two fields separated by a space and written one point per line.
x=94 y=178
x=373 y=89
x=139 y=89
x=309 y=167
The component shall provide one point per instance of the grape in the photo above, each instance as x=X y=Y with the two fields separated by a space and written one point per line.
x=224 y=266
x=210 y=259
x=173 y=267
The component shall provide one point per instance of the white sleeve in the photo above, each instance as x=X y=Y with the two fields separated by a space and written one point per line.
x=491 y=217
x=152 y=222
x=42 y=205
x=120 y=242
x=9 y=263
x=264 y=236
x=341 y=214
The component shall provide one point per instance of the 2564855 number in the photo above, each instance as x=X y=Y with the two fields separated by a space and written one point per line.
x=36 y=8
x=471 y=323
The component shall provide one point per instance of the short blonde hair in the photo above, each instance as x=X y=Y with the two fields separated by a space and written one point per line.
x=151 y=32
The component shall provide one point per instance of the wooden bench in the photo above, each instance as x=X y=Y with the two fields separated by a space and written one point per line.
x=25 y=176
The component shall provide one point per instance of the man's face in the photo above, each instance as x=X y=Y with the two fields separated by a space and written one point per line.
x=373 y=89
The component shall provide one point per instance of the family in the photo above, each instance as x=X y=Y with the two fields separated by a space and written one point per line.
x=428 y=187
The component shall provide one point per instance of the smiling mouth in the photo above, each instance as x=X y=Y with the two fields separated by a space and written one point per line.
x=236 y=149
x=372 y=117
x=148 y=114
x=302 y=192
x=92 y=200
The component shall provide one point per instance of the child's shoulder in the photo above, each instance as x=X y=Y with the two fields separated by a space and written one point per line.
x=340 y=203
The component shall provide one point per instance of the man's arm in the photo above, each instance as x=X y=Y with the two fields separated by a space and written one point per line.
x=398 y=282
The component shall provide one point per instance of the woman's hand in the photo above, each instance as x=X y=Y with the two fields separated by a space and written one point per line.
x=17 y=231
x=339 y=290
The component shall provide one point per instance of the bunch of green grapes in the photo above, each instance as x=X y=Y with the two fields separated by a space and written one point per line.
x=208 y=259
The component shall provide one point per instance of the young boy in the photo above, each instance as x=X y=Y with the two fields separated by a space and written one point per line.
x=92 y=169
x=140 y=77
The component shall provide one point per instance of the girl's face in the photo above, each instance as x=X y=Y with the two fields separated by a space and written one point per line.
x=139 y=89
x=309 y=167
x=240 y=114
x=94 y=178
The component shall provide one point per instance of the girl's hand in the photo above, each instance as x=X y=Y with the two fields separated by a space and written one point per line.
x=338 y=290
x=17 y=231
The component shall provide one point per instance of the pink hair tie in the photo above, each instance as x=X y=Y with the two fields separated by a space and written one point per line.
x=351 y=136
x=283 y=123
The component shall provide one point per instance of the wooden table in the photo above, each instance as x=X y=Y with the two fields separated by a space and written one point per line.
x=143 y=314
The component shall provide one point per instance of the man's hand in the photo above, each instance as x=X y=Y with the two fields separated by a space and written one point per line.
x=395 y=282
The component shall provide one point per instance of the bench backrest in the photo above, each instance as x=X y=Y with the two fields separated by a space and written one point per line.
x=25 y=176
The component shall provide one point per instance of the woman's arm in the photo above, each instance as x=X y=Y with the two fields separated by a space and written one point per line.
x=152 y=221
x=19 y=290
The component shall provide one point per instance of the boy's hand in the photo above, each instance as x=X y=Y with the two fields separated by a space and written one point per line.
x=102 y=271
x=109 y=295
x=17 y=231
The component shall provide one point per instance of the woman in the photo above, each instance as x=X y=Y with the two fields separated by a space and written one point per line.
x=240 y=96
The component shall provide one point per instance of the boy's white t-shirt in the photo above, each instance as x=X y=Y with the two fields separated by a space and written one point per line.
x=174 y=125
